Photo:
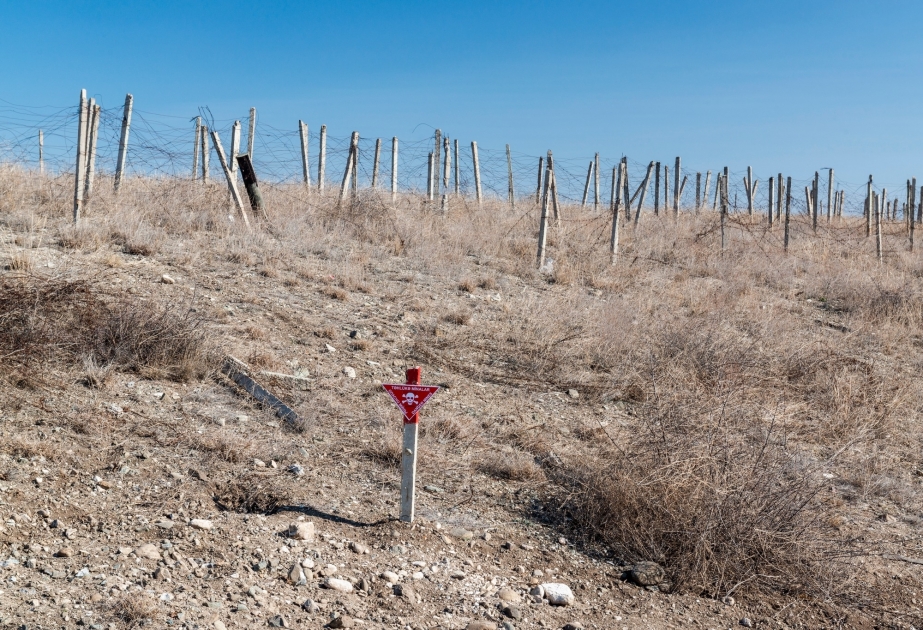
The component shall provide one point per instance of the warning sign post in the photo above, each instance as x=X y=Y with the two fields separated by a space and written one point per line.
x=409 y=397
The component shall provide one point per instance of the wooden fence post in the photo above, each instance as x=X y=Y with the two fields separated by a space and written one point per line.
x=393 y=169
x=477 y=170
x=231 y=177
x=41 y=151
x=205 y=154
x=596 y=184
x=123 y=141
x=913 y=221
x=586 y=186
x=82 y=129
x=375 y=163
x=543 y=221
x=195 y=147
x=771 y=204
x=748 y=182
x=717 y=191
x=879 y=204
x=553 y=188
x=657 y=189
x=91 y=152
x=437 y=151
x=705 y=190
x=829 y=195
x=644 y=186
x=538 y=186
x=252 y=185
x=457 y=168
x=868 y=208
x=305 y=169
x=788 y=211
x=666 y=188
x=429 y=176
x=677 y=184
x=322 y=158
x=355 y=177
x=251 y=133
x=698 y=190
x=509 y=171
x=348 y=171
x=446 y=164
x=779 y=186
x=815 y=200
x=615 y=201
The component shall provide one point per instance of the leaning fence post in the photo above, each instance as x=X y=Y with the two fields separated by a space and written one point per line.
x=644 y=186
x=231 y=177
x=347 y=173
x=250 y=183
x=235 y=148
x=553 y=188
x=303 y=136
x=251 y=133
x=429 y=176
x=586 y=187
x=543 y=221
x=509 y=170
x=91 y=147
x=322 y=158
x=123 y=141
x=205 y=154
x=477 y=170
x=705 y=191
x=393 y=169
x=538 y=186
x=615 y=198
x=717 y=191
x=788 y=211
x=80 y=181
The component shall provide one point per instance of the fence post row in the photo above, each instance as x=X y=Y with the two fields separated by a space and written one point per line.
x=123 y=142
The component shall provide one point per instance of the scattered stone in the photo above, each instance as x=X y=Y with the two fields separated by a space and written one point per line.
x=277 y=621
x=219 y=625
x=165 y=524
x=506 y=625
x=297 y=470
x=507 y=594
x=302 y=530
x=349 y=372
x=434 y=489
x=148 y=551
x=558 y=594
x=573 y=393
x=746 y=623
x=330 y=349
x=647 y=574
x=310 y=607
x=44 y=513
x=259 y=463
x=307 y=563
x=200 y=523
x=462 y=533
x=166 y=279
x=55 y=524
x=328 y=570
x=486 y=536
x=365 y=585
x=296 y=576
x=537 y=591
x=457 y=575
x=402 y=590
x=358 y=547
x=538 y=573
x=162 y=573
x=728 y=600
x=573 y=625
x=338 y=585
x=512 y=612
x=481 y=625
x=341 y=621
x=65 y=552
x=390 y=577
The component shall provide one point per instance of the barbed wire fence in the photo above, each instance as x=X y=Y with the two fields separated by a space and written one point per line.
x=162 y=146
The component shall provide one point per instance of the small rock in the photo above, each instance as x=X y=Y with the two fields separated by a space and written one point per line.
x=573 y=625
x=303 y=530
x=330 y=569
x=296 y=576
x=512 y=612
x=259 y=463
x=166 y=279
x=728 y=600
x=310 y=607
x=165 y=524
x=55 y=524
x=481 y=625
x=148 y=551
x=358 y=547
x=558 y=594
x=538 y=573
x=746 y=623
x=573 y=393
x=65 y=552
x=457 y=575
x=307 y=563
x=329 y=348
x=44 y=513
x=434 y=489
x=390 y=577
x=297 y=470
x=105 y=485
x=341 y=621
x=277 y=621
x=349 y=372
x=162 y=573
x=95 y=598
x=506 y=625
x=365 y=585
x=486 y=536
x=462 y=533
x=507 y=594
x=402 y=590
x=537 y=591
x=338 y=585
x=647 y=574
x=219 y=625
x=200 y=523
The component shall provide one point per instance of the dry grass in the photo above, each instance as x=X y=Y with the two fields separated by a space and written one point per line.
x=133 y=610
x=736 y=383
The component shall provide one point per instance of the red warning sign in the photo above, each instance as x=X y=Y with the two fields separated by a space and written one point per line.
x=410 y=398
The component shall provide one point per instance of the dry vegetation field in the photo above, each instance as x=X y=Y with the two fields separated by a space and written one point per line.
x=749 y=420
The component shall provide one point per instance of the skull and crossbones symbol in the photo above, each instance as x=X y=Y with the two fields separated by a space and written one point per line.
x=410 y=399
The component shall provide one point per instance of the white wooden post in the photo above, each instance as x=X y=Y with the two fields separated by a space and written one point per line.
x=195 y=147
x=80 y=181
x=429 y=176
x=305 y=168
x=868 y=208
x=586 y=186
x=509 y=171
x=91 y=153
x=235 y=148
x=393 y=169
x=644 y=186
x=375 y=163
x=347 y=173
x=322 y=158
x=830 y=203
x=447 y=163
x=251 y=133
x=231 y=177
x=123 y=141
x=749 y=189
x=477 y=171
x=457 y=167
x=615 y=201
x=879 y=204
x=205 y=154
x=538 y=186
x=409 y=458
x=677 y=184
x=596 y=183
x=437 y=150
x=41 y=151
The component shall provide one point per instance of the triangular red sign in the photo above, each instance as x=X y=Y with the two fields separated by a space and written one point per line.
x=409 y=398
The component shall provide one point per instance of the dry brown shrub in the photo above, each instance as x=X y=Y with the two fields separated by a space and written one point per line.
x=458 y=317
x=253 y=493
x=132 y=610
x=468 y=285
x=512 y=465
x=336 y=293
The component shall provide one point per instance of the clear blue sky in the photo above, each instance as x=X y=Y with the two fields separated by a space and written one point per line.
x=790 y=86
